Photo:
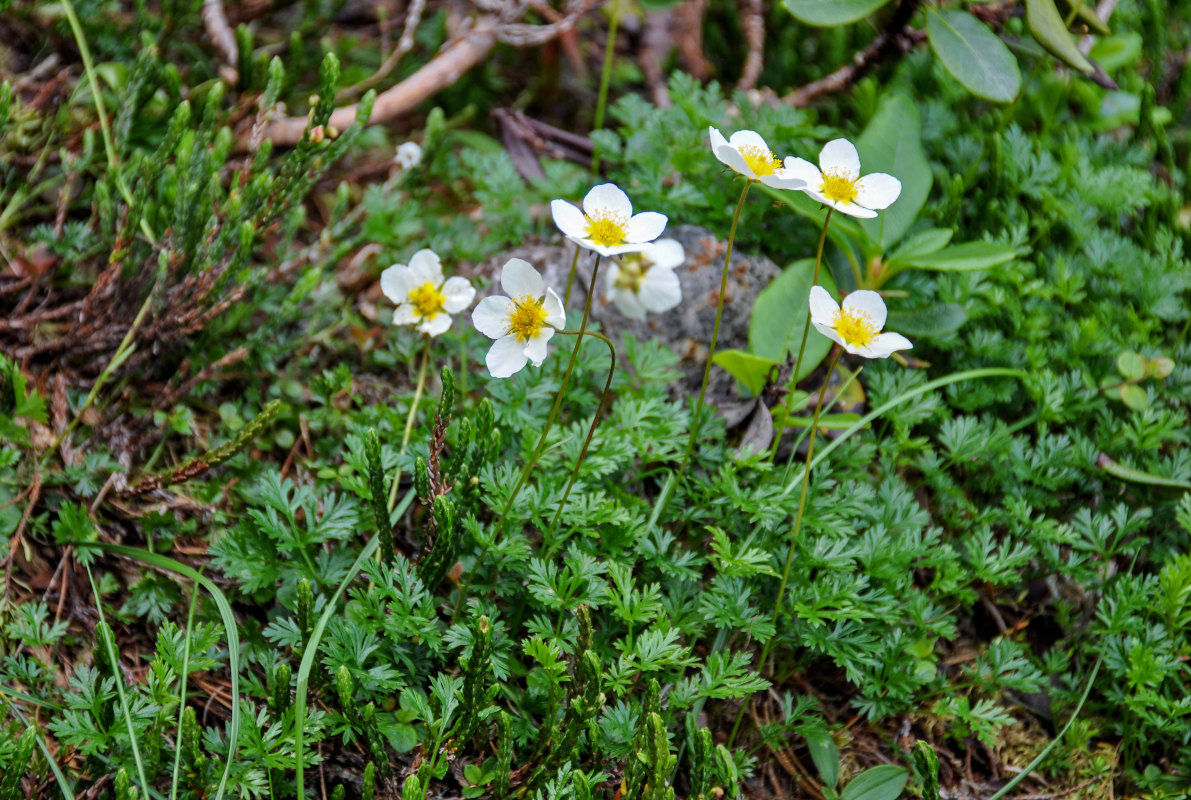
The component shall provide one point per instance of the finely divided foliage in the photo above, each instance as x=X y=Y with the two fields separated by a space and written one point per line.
x=295 y=501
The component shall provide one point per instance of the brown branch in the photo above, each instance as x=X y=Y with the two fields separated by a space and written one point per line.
x=215 y=21
x=753 y=14
x=413 y=16
x=896 y=39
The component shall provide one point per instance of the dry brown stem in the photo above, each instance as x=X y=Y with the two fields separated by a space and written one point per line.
x=753 y=14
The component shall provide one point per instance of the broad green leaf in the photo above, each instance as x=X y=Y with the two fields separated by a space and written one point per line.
x=825 y=755
x=752 y=371
x=1131 y=365
x=884 y=782
x=974 y=55
x=829 y=13
x=1135 y=397
x=1137 y=476
x=935 y=320
x=892 y=143
x=966 y=257
x=1118 y=51
x=843 y=232
x=1047 y=27
x=922 y=243
x=780 y=313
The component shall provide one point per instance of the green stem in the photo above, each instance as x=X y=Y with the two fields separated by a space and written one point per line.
x=715 y=333
x=806 y=326
x=605 y=79
x=566 y=297
x=594 y=422
x=806 y=481
x=182 y=691
x=409 y=420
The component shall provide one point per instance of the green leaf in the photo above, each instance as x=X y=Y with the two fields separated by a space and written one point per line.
x=939 y=319
x=1047 y=26
x=829 y=13
x=884 y=782
x=921 y=244
x=1131 y=365
x=780 y=313
x=1118 y=51
x=752 y=371
x=892 y=143
x=1135 y=397
x=966 y=257
x=974 y=55
x=1137 y=476
x=825 y=755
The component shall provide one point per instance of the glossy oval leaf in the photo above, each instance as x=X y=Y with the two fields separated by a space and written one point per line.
x=825 y=755
x=884 y=782
x=939 y=319
x=1048 y=29
x=974 y=55
x=829 y=13
x=922 y=243
x=751 y=371
x=775 y=329
x=892 y=143
x=966 y=257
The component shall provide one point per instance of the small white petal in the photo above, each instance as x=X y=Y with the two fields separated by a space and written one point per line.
x=803 y=170
x=851 y=209
x=556 y=315
x=715 y=138
x=426 y=267
x=519 y=278
x=435 y=325
x=458 y=293
x=665 y=253
x=646 y=226
x=840 y=155
x=887 y=344
x=535 y=348
x=742 y=139
x=404 y=315
x=729 y=155
x=395 y=283
x=609 y=197
x=506 y=357
x=878 y=190
x=627 y=302
x=823 y=307
x=569 y=219
x=868 y=302
x=660 y=290
x=830 y=333
x=491 y=316
x=781 y=179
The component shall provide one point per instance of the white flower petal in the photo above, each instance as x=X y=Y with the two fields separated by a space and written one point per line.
x=645 y=227
x=435 y=325
x=660 y=290
x=569 y=219
x=830 y=333
x=781 y=179
x=506 y=357
x=491 y=316
x=609 y=197
x=535 y=348
x=851 y=209
x=868 y=302
x=518 y=278
x=803 y=170
x=729 y=155
x=840 y=155
x=396 y=282
x=627 y=302
x=742 y=139
x=823 y=308
x=665 y=253
x=404 y=315
x=426 y=268
x=878 y=190
x=458 y=293
x=556 y=315
x=887 y=344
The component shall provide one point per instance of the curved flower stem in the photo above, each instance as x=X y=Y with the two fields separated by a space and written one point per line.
x=605 y=79
x=715 y=333
x=806 y=481
x=806 y=327
x=594 y=422
x=409 y=420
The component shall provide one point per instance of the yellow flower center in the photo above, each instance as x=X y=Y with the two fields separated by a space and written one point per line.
x=760 y=160
x=840 y=187
x=632 y=271
x=427 y=300
x=527 y=317
x=855 y=327
x=607 y=229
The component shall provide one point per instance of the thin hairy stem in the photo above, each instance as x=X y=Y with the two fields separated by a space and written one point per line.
x=806 y=326
x=605 y=79
x=715 y=333
x=409 y=420
x=594 y=422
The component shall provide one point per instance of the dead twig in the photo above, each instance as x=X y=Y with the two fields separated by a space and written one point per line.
x=753 y=15
x=215 y=21
x=413 y=16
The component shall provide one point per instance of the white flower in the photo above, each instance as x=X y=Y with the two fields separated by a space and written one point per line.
x=409 y=155
x=645 y=281
x=422 y=297
x=521 y=323
x=856 y=326
x=607 y=224
x=747 y=153
x=840 y=186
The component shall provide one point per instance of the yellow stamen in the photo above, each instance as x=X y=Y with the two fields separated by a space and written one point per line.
x=427 y=300
x=632 y=271
x=527 y=318
x=855 y=327
x=760 y=160
x=607 y=229
x=839 y=186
